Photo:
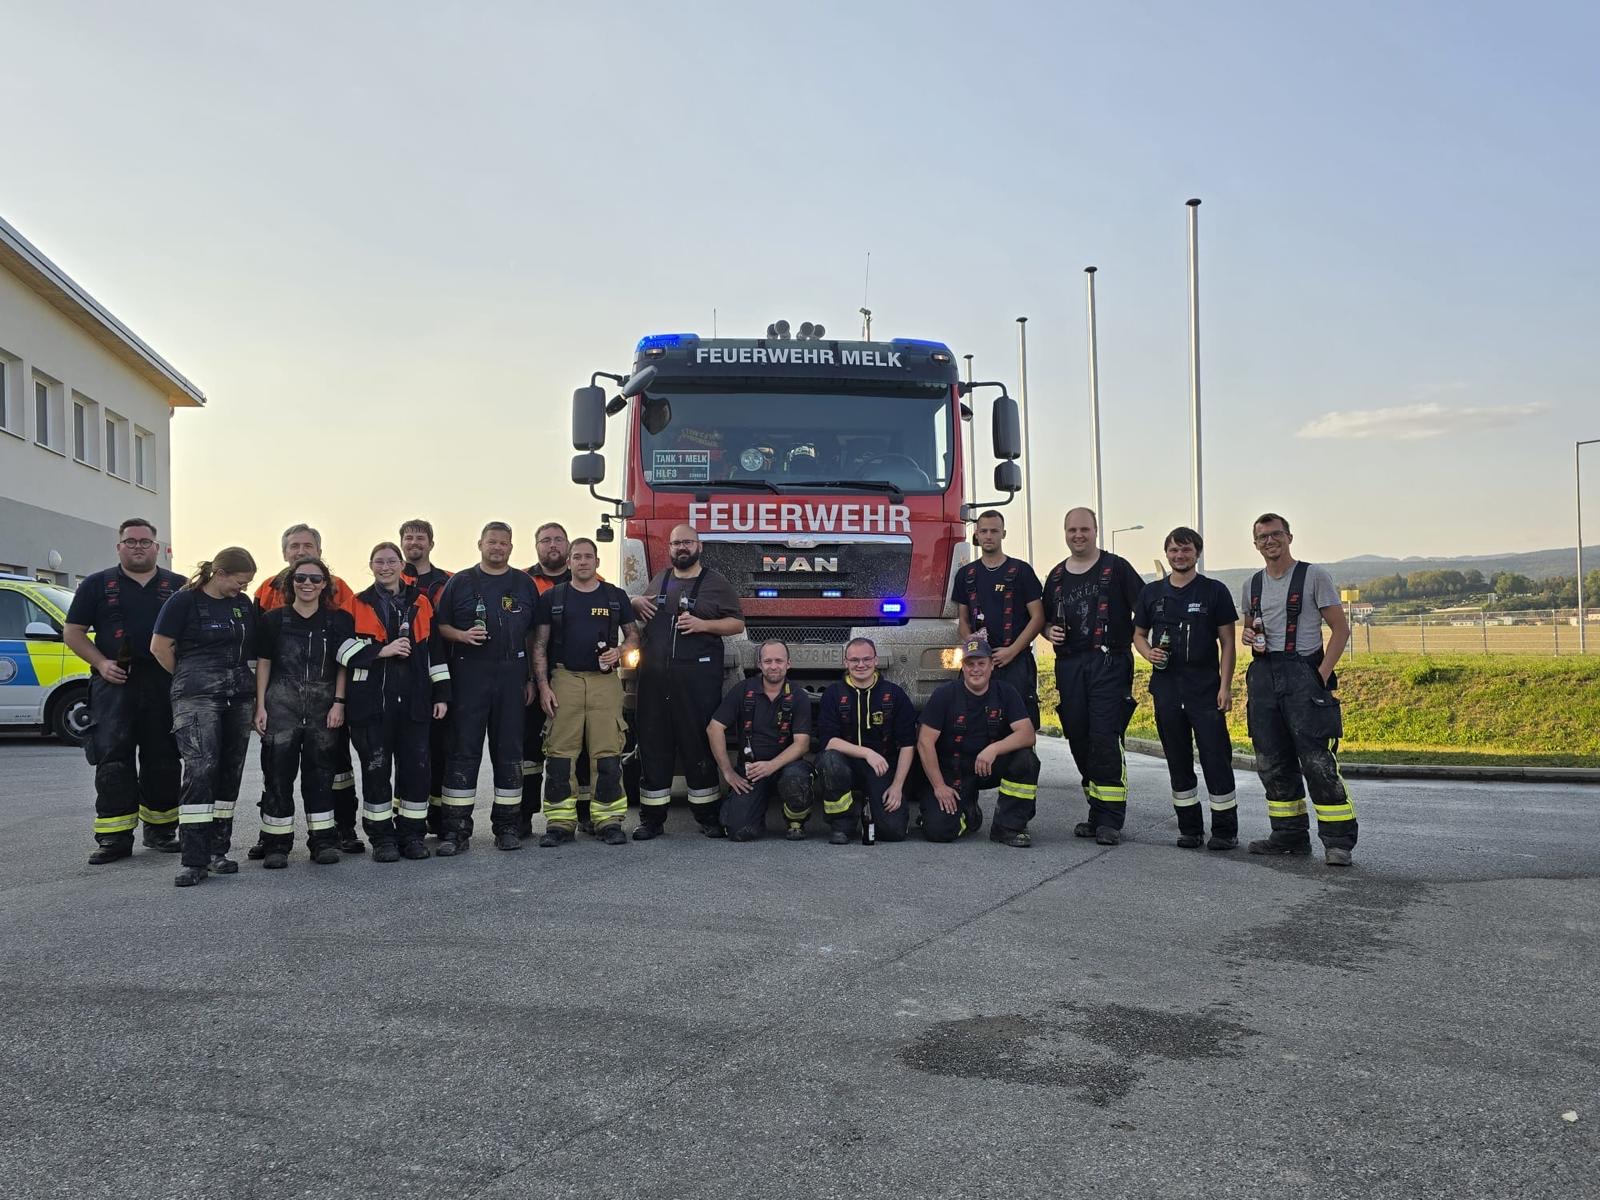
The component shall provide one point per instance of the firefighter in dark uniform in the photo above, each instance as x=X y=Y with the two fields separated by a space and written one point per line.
x=486 y=613
x=130 y=743
x=300 y=708
x=575 y=659
x=1000 y=597
x=551 y=569
x=398 y=692
x=867 y=728
x=976 y=734
x=770 y=723
x=685 y=614
x=205 y=637
x=416 y=546
x=301 y=541
x=1089 y=599
x=1184 y=629
x=1295 y=719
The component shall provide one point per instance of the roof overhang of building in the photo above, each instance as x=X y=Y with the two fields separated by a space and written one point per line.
x=24 y=260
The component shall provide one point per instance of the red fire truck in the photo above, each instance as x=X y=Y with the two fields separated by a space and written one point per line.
x=826 y=480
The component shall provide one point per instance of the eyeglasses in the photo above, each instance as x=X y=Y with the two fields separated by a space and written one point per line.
x=1277 y=535
x=690 y=542
x=860 y=662
x=138 y=543
x=303 y=578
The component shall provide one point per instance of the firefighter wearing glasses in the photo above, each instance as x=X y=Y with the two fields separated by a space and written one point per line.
x=1295 y=719
x=130 y=697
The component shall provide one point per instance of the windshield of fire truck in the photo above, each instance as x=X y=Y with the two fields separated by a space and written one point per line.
x=798 y=438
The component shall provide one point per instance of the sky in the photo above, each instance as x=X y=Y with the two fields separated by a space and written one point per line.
x=389 y=240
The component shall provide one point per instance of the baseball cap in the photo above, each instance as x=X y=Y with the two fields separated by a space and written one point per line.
x=976 y=647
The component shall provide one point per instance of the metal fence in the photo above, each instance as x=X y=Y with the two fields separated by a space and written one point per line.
x=1537 y=631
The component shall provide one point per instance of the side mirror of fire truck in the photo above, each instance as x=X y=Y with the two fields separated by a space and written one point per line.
x=588 y=469
x=1007 y=429
x=1008 y=478
x=588 y=419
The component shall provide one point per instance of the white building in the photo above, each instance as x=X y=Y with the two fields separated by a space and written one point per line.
x=85 y=411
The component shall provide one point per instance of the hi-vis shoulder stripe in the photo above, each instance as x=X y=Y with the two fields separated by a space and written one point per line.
x=349 y=649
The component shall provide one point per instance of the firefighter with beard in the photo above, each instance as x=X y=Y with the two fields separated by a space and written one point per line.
x=686 y=613
x=771 y=723
x=552 y=569
x=486 y=614
x=1089 y=600
x=867 y=728
x=130 y=744
x=575 y=659
x=302 y=541
x=999 y=597
x=416 y=546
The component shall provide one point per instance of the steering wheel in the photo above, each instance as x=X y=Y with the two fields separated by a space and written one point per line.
x=890 y=456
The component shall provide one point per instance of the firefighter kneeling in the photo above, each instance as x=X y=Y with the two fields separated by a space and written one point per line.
x=867 y=728
x=575 y=657
x=771 y=720
x=965 y=749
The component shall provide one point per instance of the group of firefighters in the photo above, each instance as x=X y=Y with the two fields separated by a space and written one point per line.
x=418 y=669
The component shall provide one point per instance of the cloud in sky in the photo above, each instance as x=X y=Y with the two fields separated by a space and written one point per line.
x=1413 y=422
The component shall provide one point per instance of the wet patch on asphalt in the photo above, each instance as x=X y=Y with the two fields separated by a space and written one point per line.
x=1345 y=926
x=1098 y=1050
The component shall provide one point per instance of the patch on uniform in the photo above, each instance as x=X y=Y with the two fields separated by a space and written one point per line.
x=505 y=603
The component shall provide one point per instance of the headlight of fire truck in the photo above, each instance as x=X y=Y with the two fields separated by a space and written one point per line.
x=950 y=657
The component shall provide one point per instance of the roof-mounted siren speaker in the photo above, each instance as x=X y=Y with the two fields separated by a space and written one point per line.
x=782 y=328
x=807 y=331
x=817 y=331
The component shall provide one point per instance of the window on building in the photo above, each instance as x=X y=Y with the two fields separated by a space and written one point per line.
x=41 y=413
x=49 y=422
x=85 y=431
x=144 y=460
x=9 y=420
x=116 y=445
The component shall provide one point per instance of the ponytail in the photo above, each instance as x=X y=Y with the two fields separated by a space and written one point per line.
x=233 y=560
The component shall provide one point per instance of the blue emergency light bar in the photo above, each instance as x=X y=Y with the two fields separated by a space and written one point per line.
x=666 y=341
x=892 y=608
x=920 y=342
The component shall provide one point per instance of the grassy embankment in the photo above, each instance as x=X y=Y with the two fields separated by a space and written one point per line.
x=1523 y=711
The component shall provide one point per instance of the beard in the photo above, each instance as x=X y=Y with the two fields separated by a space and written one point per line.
x=553 y=563
x=684 y=559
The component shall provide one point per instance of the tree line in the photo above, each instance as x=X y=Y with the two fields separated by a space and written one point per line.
x=1511 y=589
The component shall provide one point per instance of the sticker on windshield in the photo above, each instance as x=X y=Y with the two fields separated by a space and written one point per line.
x=752 y=459
x=680 y=466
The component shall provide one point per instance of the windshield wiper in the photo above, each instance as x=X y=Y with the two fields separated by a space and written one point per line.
x=712 y=485
x=874 y=485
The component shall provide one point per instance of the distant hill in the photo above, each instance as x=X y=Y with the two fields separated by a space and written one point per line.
x=1353 y=572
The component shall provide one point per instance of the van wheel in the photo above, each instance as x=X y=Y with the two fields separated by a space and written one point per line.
x=69 y=716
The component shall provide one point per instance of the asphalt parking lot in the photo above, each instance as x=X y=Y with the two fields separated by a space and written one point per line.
x=687 y=1018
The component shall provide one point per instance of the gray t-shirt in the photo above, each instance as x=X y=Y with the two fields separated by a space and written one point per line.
x=1319 y=594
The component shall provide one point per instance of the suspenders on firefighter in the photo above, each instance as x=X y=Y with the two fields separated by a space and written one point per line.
x=1294 y=712
x=867 y=738
x=1001 y=599
x=769 y=721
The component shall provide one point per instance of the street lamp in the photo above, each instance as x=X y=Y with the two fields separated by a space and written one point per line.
x=1577 y=479
x=1124 y=529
